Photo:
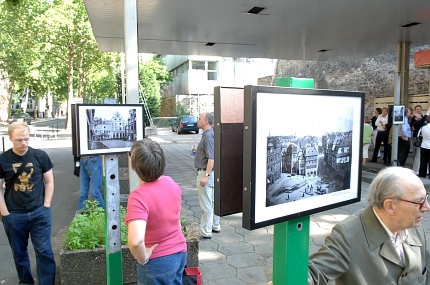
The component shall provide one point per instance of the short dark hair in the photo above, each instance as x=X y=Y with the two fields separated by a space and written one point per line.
x=147 y=160
x=379 y=110
x=418 y=106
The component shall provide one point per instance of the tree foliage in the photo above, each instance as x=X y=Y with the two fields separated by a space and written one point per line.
x=153 y=76
x=49 y=46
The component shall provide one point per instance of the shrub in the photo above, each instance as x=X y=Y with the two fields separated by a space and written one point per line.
x=87 y=229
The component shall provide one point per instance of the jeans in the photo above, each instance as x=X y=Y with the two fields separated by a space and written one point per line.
x=165 y=270
x=37 y=224
x=209 y=221
x=90 y=177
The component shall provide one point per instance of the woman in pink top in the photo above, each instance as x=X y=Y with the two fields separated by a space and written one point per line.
x=155 y=237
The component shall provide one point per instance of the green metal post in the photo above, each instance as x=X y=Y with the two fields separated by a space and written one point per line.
x=112 y=220
x=291 y=252
x=291 y=238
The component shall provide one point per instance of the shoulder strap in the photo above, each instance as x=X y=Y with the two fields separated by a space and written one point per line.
x=29 y=156
x=419 y=132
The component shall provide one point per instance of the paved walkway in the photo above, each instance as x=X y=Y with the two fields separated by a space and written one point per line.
x=234 y=256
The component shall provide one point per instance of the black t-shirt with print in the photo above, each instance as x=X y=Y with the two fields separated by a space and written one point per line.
x=27 y=192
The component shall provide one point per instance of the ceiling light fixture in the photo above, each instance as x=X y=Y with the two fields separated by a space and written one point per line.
x=323 y=50
x=410 y=25
x=255 y=10
x=209 y=44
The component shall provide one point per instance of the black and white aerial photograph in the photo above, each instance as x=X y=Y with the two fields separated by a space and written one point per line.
x=109 y=128
x=299 y=167
x=308 y=147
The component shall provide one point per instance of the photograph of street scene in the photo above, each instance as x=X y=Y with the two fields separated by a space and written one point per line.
x=301 y=167
x=110 y=128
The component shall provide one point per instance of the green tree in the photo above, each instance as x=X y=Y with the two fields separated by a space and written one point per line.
x=153 y=76
x=51 y=47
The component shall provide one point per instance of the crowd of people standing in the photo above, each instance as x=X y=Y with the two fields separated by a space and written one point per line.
x=415 y=124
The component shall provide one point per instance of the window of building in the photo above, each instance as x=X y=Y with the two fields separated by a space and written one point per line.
x=212 y=70
x=199 y=65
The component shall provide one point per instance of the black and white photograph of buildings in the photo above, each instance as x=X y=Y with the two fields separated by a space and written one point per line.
x=110 y=128
x=310 y=159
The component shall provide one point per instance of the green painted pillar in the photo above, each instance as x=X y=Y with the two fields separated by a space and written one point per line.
x=291 y=238
x=112 y=220
x=291 y=252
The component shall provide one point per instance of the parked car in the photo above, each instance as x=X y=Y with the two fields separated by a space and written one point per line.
x=185 y=124
x=20 y=117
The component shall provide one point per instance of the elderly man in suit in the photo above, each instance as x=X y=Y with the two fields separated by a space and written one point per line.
x=383 y=243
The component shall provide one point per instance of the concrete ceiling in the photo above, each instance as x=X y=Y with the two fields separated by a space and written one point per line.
x=285 y=29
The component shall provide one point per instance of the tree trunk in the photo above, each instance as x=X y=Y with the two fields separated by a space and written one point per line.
x=81 y=75
x=70 y=87
x=24 y=109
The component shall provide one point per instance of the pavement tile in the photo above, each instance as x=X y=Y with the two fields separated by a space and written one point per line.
x=217 y=271
x=242 y=260
x=209 y=257
x=259 y=239
x=235 y=248
x=254 y=274
x=265 y=250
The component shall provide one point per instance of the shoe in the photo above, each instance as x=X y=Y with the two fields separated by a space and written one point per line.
x=205 y=237
x=216 y=231
x=372 y=160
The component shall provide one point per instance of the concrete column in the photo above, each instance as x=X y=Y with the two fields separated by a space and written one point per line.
x=131 y=66
x=403 y=54
x=401 y=94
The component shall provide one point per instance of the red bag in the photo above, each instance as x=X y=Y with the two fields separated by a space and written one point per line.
x=192 y=276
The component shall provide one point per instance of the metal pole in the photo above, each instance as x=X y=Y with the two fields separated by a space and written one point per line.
x=112 y=220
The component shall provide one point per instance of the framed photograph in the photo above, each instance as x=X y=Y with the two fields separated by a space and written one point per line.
x=107 y=129
x=398 y=114
x=302 y=152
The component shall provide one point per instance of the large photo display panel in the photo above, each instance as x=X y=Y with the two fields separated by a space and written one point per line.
x=108 y=129
x=302 y=152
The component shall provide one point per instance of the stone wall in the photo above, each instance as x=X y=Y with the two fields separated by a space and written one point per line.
x=375 y=76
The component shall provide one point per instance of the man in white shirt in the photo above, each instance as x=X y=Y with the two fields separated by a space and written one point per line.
x=383 y=126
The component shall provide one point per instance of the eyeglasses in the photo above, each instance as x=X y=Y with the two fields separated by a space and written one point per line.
x=417 y=203
x=21 y=140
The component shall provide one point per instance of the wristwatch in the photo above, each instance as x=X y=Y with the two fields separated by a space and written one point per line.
x=207 y=175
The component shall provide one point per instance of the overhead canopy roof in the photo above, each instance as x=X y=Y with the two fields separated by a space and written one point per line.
x=285 y=29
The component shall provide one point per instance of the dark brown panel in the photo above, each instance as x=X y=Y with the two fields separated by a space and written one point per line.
x=228 y=106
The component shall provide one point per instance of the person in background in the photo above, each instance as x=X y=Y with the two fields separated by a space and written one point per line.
x=377 y=112
x=155 y=236
x=91 y=180
x=417 y=121
x=25 y=205
x=367 y=138
x=425 y=149
x=405 y=135
x=383 y=127
x=204 y=162
x=384 y=243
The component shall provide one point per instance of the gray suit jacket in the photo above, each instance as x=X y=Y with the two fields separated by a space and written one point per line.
x=359 y=252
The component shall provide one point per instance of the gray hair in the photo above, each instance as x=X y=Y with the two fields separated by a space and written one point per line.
x=147 y=160
x=17 y=125
x=387 y=184
x=210 y=118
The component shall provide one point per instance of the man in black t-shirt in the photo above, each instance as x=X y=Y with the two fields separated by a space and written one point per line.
x=25 y=204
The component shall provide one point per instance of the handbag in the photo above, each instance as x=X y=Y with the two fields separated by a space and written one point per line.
x=192 y=276
x=419 y=139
